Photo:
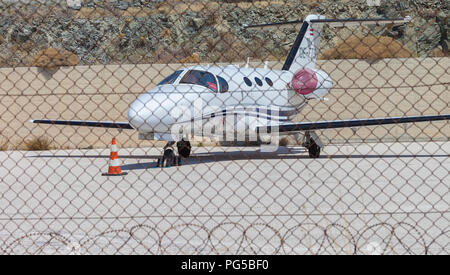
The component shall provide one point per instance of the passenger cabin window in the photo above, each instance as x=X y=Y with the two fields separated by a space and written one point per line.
x=223 y=84
x=247 y=81
x=171 y=78
x=269 y=81
x=200 y=78
x=258 y=81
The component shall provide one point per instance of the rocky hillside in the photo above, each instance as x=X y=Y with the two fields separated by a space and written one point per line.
x=133 y=31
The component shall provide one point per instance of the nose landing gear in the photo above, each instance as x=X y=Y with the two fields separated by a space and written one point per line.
x=169 y=157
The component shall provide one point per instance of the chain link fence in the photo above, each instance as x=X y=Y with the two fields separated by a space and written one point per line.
x=133 y=69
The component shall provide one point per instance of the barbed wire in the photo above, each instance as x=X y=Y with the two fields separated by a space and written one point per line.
x=355 y=241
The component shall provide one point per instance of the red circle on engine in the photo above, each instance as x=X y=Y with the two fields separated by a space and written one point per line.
x=304 y=81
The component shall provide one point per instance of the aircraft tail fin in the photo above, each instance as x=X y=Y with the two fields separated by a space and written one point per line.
x=304 y=51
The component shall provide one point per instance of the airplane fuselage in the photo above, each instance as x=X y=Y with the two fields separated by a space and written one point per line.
x=213 y=100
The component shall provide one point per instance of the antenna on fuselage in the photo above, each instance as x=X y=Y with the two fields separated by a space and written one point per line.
x=265 y=64
x=248 y=62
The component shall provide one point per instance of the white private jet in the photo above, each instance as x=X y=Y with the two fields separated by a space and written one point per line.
x=241 y=103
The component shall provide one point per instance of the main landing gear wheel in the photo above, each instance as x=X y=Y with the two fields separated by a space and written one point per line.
x=184 y=148
x=311 y=145
x=313 y=149
x=169 y=157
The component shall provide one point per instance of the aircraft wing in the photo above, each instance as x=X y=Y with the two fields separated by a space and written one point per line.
x=100 y=124
x=332 y=124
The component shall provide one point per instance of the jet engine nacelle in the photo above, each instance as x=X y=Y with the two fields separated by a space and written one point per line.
x=311 y=83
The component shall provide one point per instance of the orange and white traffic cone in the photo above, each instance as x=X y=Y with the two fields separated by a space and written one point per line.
x=114 y=166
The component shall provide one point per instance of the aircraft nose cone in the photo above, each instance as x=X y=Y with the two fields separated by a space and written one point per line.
x=150 y=113
x=136 y=116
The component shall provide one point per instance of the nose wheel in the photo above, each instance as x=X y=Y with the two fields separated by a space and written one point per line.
x=184 y=148
x=313 y=150
x=169 y=158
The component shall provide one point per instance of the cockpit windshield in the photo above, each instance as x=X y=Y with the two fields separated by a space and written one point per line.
x=171 y=78
x=200 y=78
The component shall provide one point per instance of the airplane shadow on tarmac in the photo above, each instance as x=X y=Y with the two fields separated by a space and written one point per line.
x=211 y=157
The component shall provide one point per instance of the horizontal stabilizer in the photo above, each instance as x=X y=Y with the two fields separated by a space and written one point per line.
x=335 y=22
x=332 y=124
x=100 y=124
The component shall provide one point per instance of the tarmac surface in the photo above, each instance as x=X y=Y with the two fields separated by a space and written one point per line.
x=388 y=198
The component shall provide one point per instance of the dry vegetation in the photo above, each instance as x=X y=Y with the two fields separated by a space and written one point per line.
x=37 y=144
x=369 y=47
x=3 y=145
x=190 y=59
x=92 y=13
x=257 y=3
x=32 y=144
x=437 y=52
x=51 y=58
